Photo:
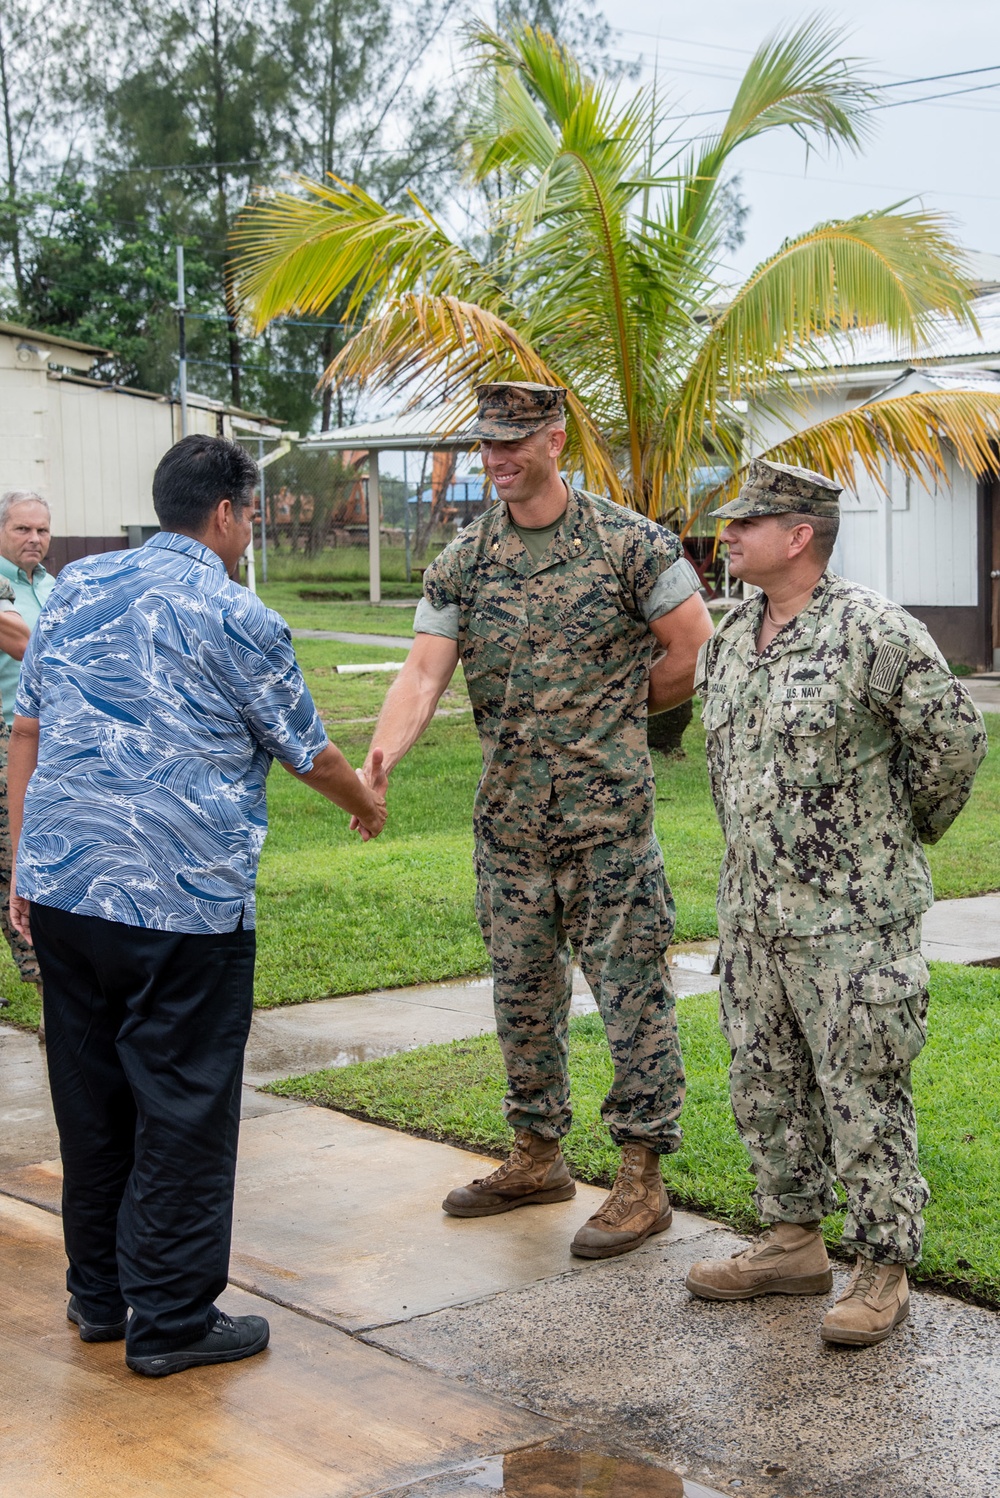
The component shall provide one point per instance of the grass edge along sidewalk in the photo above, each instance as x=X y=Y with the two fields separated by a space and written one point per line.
x=339 y=917
x=452 y=1093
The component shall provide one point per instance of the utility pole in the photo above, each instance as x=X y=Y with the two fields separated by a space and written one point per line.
x=406 y=517
x=182 y=372
x=263 y=510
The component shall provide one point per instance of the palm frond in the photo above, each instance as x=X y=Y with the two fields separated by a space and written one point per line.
x=913 y=432
x=798 y=80
x=441 y=347
x=882 y=269
x=295 y=252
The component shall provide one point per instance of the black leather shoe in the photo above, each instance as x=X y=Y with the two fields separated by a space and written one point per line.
x=94 y=1331
x=231 y=1338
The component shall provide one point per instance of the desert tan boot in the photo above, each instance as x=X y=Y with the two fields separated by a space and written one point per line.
x=637 y=1207
x=876 y=1300
x=534 y=1172
x=788 y=1258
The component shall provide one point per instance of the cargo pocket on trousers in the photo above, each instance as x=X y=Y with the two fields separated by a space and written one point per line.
x=888 y=1023
x=652 y=908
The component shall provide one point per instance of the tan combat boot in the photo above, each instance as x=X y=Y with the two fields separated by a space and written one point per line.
x=788 y=1258
x=637 y=1207
x=876 y=1300
x=534 y=1172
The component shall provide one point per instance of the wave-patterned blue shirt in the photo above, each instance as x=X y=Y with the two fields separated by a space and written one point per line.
x=163 y=690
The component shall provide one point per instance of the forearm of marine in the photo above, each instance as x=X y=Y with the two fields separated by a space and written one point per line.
x=406 y=712
x=671 y=681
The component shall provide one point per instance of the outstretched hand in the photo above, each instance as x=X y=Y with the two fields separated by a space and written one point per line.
x=373 y=775
x=20 y=912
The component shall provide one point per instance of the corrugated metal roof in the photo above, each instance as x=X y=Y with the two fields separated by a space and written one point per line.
x=949 y=378
x=15 y=329
x=438 y=427
x=946 y=340
x=928 y=381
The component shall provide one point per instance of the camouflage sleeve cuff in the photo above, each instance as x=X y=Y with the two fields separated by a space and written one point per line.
x=7 y=607
x=429 y=620
x=680 y=581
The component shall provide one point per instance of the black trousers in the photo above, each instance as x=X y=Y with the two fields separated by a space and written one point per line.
x=145 y=1033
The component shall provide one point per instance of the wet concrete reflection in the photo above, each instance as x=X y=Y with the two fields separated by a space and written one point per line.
x=547 y=1472
x=584 y=1474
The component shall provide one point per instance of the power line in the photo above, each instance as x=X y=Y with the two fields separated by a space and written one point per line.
x=286 y=322
x=939 y=77
x=761 y=171
x=977 y=88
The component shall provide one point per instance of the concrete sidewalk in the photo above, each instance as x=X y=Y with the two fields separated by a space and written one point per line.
x=984 y=690
x=420 y=1356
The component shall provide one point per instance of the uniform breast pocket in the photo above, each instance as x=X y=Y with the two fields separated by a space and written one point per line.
x=593 y=624
x=487 y=648
x=805 y=742
x=715 y=712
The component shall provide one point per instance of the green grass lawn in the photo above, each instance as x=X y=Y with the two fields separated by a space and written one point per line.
x=345 y=567
x=296 y=602
x=337 y=916
x=453 y=1092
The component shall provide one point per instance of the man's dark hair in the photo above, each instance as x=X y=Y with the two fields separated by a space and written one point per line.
x=824 y=529
x=195 y=475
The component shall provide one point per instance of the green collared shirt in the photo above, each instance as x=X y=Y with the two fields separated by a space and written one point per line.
x=30 y=595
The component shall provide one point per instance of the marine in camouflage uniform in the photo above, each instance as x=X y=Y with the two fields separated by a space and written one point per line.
x=23 y=954
x=556 y=653
x=834 y=753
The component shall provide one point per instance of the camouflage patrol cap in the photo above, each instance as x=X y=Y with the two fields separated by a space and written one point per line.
x=780 y=489
x=512 y=409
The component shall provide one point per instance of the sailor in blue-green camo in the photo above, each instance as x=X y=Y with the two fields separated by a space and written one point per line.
x=839 y=743
x=556 y=601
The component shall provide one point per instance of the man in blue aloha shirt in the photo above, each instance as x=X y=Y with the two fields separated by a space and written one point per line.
x=154 y=695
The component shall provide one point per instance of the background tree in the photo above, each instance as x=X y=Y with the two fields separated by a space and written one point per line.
x=157 y=120
x=606 y=279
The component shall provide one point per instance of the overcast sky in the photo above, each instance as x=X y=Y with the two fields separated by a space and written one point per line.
x=944 y=152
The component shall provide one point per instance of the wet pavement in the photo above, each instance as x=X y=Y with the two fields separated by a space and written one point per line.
x=422 y=1356
x=741 y=1397
x=557 y=1471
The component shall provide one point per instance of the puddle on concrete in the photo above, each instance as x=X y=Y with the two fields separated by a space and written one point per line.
x=695 y=956
x=547 y=1472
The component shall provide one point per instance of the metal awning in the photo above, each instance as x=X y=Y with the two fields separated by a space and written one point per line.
x=412 y=431
x=437 y=429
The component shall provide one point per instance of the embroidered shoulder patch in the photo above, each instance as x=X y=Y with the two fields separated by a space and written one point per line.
x=887 y=668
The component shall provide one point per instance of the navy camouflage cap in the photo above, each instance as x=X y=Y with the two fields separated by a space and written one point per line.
x=512 y=409
x=780 y=489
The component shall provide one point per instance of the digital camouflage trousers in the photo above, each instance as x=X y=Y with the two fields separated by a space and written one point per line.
x=24 y=956
x=611 y=907
x=822 y=1032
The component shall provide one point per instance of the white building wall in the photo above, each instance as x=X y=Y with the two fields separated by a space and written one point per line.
x=24 y=410
x=88 y=450
x=108 y=446
x=921 y=548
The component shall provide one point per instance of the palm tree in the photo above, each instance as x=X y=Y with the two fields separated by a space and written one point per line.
x=602 y=273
